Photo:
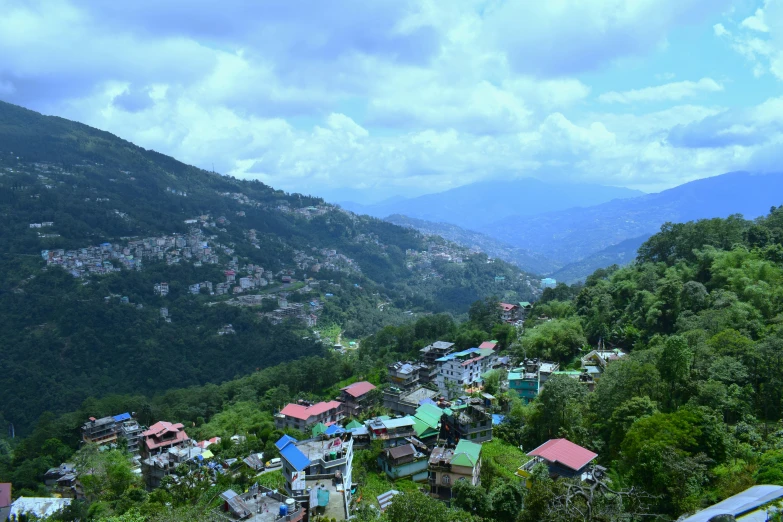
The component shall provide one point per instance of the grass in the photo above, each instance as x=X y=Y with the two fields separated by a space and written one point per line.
x=378 y=483
x=272 y=480
x=502 y=459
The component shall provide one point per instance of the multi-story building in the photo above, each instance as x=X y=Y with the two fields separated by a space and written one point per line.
x=355 y=397
x=318 y=471
x=100 y=431
x=460 y=369
x=528 y=379
x=161 y=436
x=509 y=312
x=130 y=430
x=435 y=351
x=448 y=464
x=404 y=402
x=392 y=432
x=403 y=375
x=303 y=416
x=407 y=460
x=467 y=422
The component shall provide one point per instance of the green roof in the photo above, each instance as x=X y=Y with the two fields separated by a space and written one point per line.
x=353 y=424
x=318 y=429
x=466 y=454
x=429 y=414
x=422 y=429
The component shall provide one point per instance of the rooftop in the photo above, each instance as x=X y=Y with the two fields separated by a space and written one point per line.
x=565 y=452
x=301 y=412
x=358 y=389
x=742 y=503
x=466 y=454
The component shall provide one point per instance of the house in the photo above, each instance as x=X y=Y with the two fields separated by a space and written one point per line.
x=448 y=464
x=355 y=397
x=403 y=375
x=303 y=416
x=53 y=475
x=129 y=430
x=467 y=422
x=594 y=362
x=318 y=471
x=255 y=461
x=509 y=313
x=435 y=351
x=460 y=369
x=754 y=504
x=562 y=457
x=524 y=309
x=427 y=423
x=161 y=436
x=392 y=432
x=403 y=461
x=528 y=379
x=100 y=431
x=404 y=402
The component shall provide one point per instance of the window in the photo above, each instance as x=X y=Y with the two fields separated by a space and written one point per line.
x=446 y=480
x=483 y=433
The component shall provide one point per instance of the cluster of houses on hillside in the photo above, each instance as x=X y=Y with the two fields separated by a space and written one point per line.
x=111 y=257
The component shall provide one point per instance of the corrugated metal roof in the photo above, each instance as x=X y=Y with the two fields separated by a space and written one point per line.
x=122 y=417
x=284 y=441
x=564 y=452
x=741 y=503
x=466 y=454
x=398 y=423
x=295 y=457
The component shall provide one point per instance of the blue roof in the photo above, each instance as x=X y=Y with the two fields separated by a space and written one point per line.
x=295 y=457
x=457 y=354
x=122 y=417
x=284 y=441
x=497 y=419
x=334 y=429
x=741 y=503
x=427 y=400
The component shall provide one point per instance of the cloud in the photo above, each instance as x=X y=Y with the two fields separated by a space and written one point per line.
x=674 y=91
x=759 y=38
x=733 y=128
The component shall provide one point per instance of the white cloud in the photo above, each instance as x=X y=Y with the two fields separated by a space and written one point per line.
x=759 y=38
x=674 y=91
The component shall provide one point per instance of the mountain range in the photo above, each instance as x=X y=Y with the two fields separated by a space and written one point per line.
x=480 y=204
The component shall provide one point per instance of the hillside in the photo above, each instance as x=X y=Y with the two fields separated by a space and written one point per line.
x=94 y=228
x=478 y=204
x=574 y=234
x=524 y=259
x=620 y=254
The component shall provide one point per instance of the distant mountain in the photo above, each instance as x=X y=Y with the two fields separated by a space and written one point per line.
x=524 y=259
x=572 y=235
x=620 y=254
x=482 y=203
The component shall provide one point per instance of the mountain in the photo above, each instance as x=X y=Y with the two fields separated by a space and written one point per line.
x=526 y=260
x=572 y=235
x=620 y=254
x=123 y=270
x=478 y=204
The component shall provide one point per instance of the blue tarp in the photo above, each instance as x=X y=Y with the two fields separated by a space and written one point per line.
x=284 y=441
x=122 y=417
x=295 y=457
x=497 y=419
x=427 y=400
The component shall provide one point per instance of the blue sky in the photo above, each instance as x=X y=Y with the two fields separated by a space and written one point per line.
x=366 y=100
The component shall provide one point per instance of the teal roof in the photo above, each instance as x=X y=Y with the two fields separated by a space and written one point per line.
x=353 y=424
x=466 y=454
x=429 y=414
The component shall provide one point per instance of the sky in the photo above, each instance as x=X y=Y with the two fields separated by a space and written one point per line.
x=357 y=100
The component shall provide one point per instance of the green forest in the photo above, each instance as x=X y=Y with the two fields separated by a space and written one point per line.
x=68 y=339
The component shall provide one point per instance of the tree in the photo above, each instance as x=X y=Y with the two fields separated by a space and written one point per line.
x=558 y=411
x=674 y=365
x=470 y=498
x=557 y=340
x=417 y=507
x=485 y=314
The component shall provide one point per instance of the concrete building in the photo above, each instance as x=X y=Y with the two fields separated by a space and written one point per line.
x=563 y=458
x=467 y=422
x=404 y=461
x=448 y=464
x=100 y=431
x=403 y=402
x=404 y=375
x=303 y=416
x=318 y=471
x=391 y=432
x=460 y=369
x=355 y=397
x=436 y=350
x=161 y=436
x=528 y=379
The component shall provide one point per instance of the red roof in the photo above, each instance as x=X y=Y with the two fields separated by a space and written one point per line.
x=153 y=437
x=565 y=452
x=5 y=494
x=487 y=344
x=358 y=389
x=300 y=412
x=506 y=307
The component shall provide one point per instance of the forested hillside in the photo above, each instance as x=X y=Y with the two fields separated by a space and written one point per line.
x=693 y=414
x=90 y=224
